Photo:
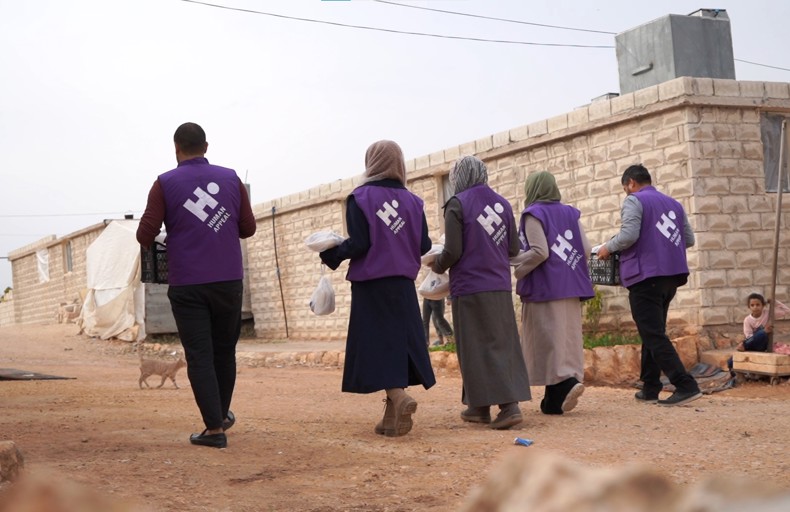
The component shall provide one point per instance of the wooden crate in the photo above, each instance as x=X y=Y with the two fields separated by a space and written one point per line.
x=761 y=363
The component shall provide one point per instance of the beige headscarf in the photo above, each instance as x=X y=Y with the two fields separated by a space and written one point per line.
x=467 y=172
x=384 y=160
x=541 y=186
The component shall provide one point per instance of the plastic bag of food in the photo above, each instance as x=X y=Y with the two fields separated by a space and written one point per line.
x=429 y=257
x=435 y=286
x=322 y=302
x=323 y=240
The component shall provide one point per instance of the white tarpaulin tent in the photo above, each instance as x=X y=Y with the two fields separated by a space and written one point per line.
x=114 y=306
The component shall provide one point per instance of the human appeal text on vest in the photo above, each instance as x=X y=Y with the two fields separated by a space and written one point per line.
x=490 y=219
x=206 y=199
x=388 y=212
x=668 y=228
x=563 y=248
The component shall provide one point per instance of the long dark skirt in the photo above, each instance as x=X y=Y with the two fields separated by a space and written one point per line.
x=489 y=352
x=385 y=347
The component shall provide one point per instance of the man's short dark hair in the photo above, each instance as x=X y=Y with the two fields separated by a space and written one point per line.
x=638 y=173
x=191 y=138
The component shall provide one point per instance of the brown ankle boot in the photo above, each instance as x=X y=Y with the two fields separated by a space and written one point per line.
x=403 y=407
x=388 y=421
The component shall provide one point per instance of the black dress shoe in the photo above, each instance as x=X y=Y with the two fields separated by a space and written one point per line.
x=212 y=440
x=229 y=421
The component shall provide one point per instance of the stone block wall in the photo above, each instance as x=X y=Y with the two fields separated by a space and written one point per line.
x=6 y=312
x=36 y=301
x=699 y=137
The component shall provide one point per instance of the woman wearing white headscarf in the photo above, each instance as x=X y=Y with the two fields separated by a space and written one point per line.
x=552 y=281
x=387 y=235
x=480 y=237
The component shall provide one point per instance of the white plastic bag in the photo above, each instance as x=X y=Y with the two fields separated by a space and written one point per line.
x=323 y=240
x=435 y=286
x=429 y=257
x=322 y=302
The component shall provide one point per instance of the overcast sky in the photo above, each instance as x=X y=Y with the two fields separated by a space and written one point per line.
x=92 y=90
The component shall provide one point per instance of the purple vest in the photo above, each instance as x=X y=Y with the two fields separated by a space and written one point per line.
x=661 y=247
x=484 y=265
x=202 y=203
x=564 y=274
x=394 y=218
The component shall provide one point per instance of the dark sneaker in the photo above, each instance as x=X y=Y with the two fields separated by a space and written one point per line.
x=508 y=417
x=572 y=398
x=641 y=396
x=681 y=398
x=476 y=415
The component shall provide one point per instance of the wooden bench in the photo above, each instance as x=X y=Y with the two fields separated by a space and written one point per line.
x=762 y=363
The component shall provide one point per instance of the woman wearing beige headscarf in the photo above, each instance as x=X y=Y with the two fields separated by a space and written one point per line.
x=387 y=234
x=552 y=281
x=480 y=236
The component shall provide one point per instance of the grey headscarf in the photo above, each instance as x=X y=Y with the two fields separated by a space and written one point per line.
x=467 y=172
x=384 y=160
x=541 y=186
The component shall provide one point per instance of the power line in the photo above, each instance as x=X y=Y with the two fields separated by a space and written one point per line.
x=30 y=215
x=496 y=19
x=393 y=31
x=20 y=235
x=559 y=27
x=763 y=65
x=483 y=40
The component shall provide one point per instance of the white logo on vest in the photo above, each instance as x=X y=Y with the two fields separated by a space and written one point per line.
x=390 y=212
x=565 y=250
x=668 y=228
x=197 y=208
x=491 y=219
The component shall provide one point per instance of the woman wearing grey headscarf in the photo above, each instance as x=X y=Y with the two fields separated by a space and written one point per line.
x=480 y=237
x=387 y=234
x=552 y=281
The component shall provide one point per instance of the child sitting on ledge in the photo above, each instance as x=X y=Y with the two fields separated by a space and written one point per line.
x=756 y=327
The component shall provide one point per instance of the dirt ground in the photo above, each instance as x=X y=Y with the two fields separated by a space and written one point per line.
x=301 y=444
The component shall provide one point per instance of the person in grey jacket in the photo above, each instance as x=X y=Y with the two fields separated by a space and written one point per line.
x=652 y=243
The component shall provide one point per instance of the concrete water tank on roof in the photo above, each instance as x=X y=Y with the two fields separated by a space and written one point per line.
x=698 y=45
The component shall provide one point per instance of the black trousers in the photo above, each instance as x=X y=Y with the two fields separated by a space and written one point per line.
x=649 y=301
x=435 y=309
x=208 y=317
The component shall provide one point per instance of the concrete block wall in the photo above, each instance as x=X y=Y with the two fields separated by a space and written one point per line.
x=37 y=302
x=701 y=140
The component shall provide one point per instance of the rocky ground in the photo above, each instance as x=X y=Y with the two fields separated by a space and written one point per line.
x=301 y=444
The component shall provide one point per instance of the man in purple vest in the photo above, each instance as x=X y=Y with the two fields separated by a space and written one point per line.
x=652 y=242
x=206 y=210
